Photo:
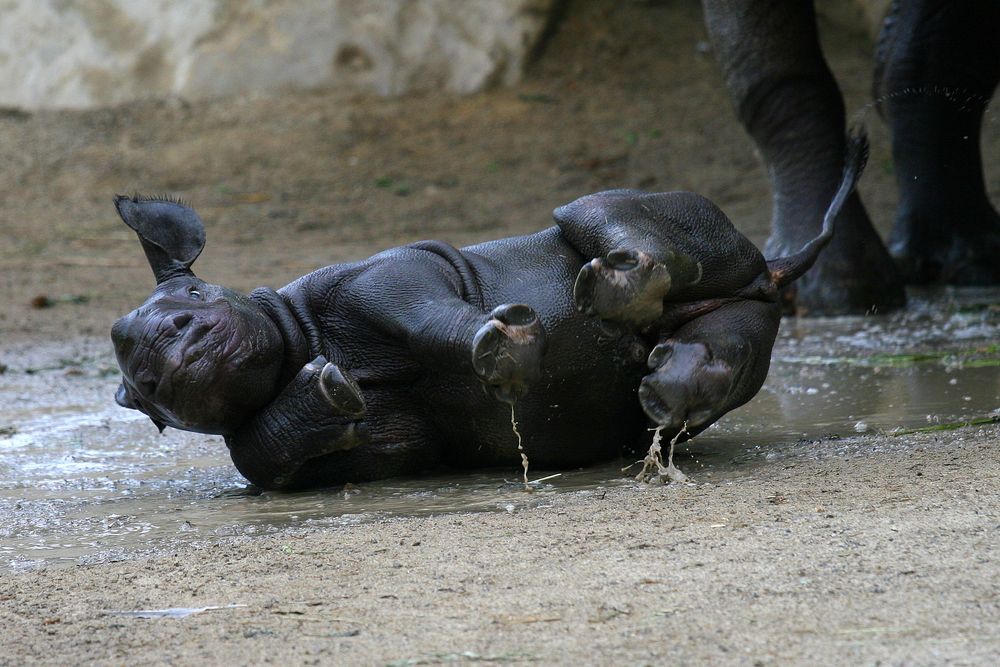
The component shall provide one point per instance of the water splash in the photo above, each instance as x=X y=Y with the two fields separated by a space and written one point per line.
x=652 y=465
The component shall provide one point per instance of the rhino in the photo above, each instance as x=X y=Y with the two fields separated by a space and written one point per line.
x=634 y=309
x=936 y=70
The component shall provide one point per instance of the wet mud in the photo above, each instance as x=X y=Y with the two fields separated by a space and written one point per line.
x=84 y=481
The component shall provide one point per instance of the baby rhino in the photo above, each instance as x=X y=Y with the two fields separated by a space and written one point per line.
x=634 y=307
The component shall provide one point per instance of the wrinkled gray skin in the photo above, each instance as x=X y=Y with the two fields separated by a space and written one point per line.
x=634 y=303
x=937 y=65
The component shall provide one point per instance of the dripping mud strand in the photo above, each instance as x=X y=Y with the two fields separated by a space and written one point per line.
x=520 y=447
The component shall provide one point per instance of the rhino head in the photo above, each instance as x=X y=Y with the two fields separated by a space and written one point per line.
x=195 y=356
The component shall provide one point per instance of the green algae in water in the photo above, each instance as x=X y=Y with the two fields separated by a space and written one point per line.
x=982 y=357
x=950 y=426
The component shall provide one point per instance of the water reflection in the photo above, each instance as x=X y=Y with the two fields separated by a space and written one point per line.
x=82 y=480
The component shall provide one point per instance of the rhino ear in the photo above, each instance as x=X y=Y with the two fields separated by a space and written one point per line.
x=172 y=234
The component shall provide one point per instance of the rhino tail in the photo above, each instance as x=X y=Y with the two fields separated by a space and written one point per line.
x=786 y=269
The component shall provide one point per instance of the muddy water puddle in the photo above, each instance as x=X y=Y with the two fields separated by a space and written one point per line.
x=82 y=480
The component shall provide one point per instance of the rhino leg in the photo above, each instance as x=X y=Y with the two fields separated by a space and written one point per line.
x=443 y=330
x=790 y=104
x=629 y=285
x=936 y=70
x=318 y=412
x=709 y=366
x=642 y=245
x=507 y=351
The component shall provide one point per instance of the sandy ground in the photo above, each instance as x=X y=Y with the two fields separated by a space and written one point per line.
x=886 y=554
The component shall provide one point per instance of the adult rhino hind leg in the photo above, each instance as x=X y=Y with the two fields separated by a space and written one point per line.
x=937 y=66
x=789 y=102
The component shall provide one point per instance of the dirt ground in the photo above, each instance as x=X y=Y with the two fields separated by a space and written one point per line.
x=887 y=556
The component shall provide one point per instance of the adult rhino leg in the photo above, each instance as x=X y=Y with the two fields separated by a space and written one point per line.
x=788 y=101
x=937 y=65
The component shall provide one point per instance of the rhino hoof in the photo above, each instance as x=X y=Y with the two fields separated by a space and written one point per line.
x=507 y=351
x=341 y=391
x=688 y=386
x=627 y=286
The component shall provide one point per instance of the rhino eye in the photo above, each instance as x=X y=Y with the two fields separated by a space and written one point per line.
x=194 y=294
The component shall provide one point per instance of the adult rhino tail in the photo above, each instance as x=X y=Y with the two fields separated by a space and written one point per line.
x=786 y=269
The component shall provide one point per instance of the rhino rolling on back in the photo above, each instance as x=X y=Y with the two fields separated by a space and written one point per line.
x=635 y=309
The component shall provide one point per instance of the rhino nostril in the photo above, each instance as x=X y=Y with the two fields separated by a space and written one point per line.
x=182 y=320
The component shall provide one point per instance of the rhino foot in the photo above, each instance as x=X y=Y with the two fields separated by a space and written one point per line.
x=507 y=351
x=688 y=386
x=627 y=286
x=340 y=391
x=958 y=247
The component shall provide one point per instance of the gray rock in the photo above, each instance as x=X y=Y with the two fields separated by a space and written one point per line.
x=91 y=53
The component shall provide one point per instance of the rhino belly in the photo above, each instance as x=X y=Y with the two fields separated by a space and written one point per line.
x=584 y=409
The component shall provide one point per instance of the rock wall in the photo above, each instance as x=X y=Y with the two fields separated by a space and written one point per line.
x=86 y=53
x=91 y=53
